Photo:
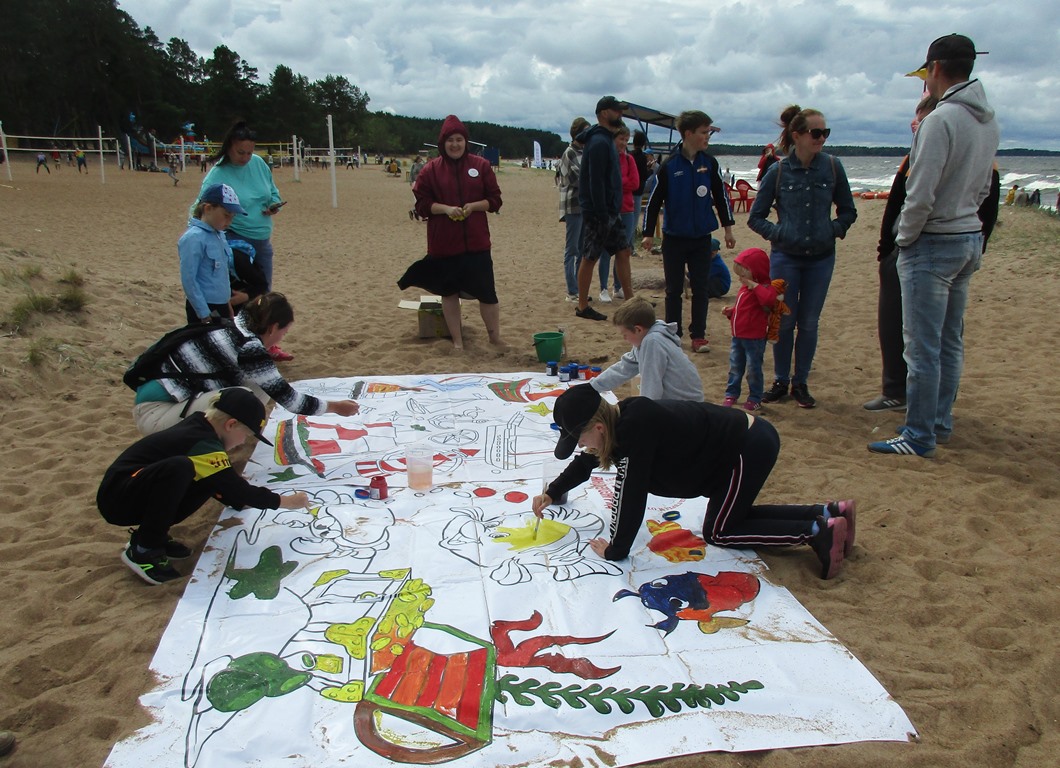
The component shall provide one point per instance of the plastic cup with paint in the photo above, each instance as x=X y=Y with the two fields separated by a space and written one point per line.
x=419 y=464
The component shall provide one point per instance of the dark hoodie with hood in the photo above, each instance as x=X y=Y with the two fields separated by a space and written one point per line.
x=468 y=179
x=750 y=314
x=600 y=183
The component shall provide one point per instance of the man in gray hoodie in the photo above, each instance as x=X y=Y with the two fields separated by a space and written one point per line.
x=940 y=241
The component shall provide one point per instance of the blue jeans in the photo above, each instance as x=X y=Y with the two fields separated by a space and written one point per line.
x=605 y=257
x=746 y=355
x=262 y=254
x=604 y=268
x=808 y=283
x=572 y=252
x=935 y=272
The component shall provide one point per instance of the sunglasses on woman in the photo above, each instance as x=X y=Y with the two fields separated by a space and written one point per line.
x=818 y=133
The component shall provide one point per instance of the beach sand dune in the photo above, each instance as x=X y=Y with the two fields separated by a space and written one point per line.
x=950 y=598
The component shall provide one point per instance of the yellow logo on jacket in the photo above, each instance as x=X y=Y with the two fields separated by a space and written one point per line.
x=207 y=464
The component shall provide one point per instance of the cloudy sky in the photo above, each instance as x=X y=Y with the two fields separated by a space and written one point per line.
x=538 y=64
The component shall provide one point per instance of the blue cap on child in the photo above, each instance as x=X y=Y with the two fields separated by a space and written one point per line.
x=224 y=196
x=715 y=246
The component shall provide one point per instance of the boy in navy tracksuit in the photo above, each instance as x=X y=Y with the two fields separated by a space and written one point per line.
x=691 y=186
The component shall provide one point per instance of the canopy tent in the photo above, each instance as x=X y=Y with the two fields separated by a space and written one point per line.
x=646 y=116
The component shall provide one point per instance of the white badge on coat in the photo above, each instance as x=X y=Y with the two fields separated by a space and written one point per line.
x=701 y=190
x=472 y=172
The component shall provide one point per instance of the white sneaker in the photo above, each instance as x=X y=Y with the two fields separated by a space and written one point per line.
x=619 y=294
x=605 y=297
x=572 y=297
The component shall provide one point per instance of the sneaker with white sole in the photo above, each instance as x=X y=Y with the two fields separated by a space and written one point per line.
x=151 y=565
x=753 y=406
x=941 y=438
x=884 y=403
x=901 y=446
x=728 y=402
x=605 y=297
x=700 y=345
x=619 y=294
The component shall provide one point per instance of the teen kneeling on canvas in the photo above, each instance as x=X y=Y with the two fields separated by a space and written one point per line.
x=163 y=478
x=685 y=450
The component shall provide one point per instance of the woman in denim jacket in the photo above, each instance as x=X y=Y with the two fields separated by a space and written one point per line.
x=803 y=186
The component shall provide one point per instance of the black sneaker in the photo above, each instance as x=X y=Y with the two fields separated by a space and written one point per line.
x=829 y=544
x=776 y=393
x=590 y=314
x=177 y=550
x=151 y=565
x=802 y=396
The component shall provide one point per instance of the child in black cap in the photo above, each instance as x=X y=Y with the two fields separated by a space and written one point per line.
x=685 y=450
x=163 y=478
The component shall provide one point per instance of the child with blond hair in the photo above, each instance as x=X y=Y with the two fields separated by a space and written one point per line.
x=665 y=371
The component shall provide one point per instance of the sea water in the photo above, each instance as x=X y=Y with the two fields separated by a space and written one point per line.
x=870 y=173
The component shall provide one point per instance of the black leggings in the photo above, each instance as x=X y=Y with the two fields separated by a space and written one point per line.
x=734 y=520
x=156 y=498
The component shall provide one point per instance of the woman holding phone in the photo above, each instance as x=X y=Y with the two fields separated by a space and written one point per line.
x=236 y=165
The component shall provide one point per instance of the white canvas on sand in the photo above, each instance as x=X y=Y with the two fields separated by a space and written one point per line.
x=446 y=626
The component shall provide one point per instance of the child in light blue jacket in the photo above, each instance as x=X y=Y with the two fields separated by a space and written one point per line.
x=205 y=254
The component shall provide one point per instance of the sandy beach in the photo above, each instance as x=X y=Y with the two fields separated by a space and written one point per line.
x=950 y=598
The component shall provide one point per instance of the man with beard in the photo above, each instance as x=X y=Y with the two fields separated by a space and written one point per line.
x=600 y=196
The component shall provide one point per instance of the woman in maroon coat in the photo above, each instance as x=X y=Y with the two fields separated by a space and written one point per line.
x=454 y=192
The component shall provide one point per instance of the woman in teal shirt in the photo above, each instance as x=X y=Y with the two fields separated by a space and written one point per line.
x=236 y=165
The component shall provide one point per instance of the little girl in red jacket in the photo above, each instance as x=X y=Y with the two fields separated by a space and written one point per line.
x=756 y=301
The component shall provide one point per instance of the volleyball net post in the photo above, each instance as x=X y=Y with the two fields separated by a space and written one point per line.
x=331 y=157
x=102 y=171
x=3 y=144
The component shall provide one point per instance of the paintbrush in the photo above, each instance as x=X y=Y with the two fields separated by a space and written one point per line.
x=537 y=524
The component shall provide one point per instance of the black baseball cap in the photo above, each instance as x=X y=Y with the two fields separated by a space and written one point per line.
x=573 y=411
x=948 y=47
x=243 y=406
x=610 y=102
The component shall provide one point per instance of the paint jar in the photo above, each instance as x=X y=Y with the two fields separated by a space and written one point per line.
x=594 y=372
x=419 y=466
x=583 y=372
x=552 y=368
x=377 y=488
x=564 y=373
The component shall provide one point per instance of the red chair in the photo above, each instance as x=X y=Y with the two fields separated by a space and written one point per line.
x=746 y=196
x=730 y=193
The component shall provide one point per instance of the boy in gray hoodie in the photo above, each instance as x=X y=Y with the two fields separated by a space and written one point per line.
x=665 y=371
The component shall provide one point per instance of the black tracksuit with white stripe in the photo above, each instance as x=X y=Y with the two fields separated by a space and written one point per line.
x=684 y=450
